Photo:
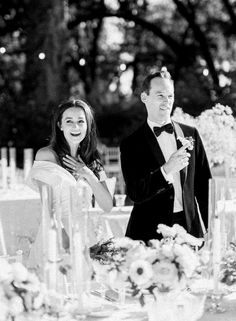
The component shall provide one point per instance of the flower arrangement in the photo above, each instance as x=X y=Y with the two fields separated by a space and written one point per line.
x=217 y=127
x=24 y=297
x=164 y=266
x=228 y=266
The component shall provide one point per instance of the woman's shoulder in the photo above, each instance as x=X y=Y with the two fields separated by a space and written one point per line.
x=46 y=154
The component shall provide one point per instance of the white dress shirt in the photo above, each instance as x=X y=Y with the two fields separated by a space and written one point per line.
x=168 y=146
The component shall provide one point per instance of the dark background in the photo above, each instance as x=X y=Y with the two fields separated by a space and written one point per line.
x=101 y=50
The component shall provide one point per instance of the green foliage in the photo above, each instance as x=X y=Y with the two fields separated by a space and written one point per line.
x=101 y=51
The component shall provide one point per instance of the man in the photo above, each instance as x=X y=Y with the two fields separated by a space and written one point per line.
x=167 y=180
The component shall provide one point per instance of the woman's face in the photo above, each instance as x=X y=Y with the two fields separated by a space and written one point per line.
x=74 y=125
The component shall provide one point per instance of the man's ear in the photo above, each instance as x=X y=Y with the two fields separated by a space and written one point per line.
x=143 y=97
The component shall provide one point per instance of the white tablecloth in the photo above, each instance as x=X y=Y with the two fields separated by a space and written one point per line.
x=132 y=311
x=20 y=213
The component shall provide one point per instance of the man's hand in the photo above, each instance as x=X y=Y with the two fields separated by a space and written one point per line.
x=177 y=161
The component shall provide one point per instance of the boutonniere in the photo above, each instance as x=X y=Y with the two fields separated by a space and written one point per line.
x=185 y=140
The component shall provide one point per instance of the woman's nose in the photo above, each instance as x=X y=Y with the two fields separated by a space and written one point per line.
x=75 y=125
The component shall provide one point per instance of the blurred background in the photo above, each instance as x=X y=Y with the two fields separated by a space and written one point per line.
x=101 y=50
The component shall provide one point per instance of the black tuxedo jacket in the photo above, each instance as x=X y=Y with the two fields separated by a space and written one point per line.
x=153 y=196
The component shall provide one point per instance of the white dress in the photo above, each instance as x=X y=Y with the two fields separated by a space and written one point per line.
x=61 y=182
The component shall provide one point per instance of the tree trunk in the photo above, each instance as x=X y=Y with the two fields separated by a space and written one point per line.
x=45 y=82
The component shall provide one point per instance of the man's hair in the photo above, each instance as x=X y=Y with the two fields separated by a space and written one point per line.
x=163 y=73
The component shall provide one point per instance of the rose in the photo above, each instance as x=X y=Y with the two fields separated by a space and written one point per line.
x=16 y=306
x=20 y=273
x=165 y=274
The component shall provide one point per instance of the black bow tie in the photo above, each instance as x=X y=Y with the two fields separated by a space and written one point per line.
x=167 y=128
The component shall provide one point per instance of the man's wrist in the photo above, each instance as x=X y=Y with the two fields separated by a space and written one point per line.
x=168 y=177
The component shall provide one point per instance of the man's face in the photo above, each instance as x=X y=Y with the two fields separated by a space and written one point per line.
x=159 y=101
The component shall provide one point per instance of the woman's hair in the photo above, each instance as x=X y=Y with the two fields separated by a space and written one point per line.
x=88 y=147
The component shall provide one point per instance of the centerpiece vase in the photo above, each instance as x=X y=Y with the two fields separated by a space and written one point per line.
x=181 y=306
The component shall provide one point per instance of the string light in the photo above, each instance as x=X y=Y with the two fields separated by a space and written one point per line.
x=122 y=67
x=205 y=72
x=2 y=50
x=82 y=62
x=42 y=56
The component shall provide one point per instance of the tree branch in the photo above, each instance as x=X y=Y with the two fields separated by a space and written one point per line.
x=231 y=13
x=200 y=37
x=174 y=45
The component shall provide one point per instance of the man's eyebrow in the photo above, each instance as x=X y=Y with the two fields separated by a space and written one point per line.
x=161 y=92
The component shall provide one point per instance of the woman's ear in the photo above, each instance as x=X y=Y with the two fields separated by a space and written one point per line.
x=58 y=124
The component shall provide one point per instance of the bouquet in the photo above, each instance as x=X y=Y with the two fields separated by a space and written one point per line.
x=164 y=266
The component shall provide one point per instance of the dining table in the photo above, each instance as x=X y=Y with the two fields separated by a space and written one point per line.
x=20 y=214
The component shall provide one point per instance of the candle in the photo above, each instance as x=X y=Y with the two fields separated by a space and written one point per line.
x=52 y=257
x=44 y=224
x=28 y=161
x=78 y=266
x=2 y=240
x=216 y=252
x=4 y=166
x=12 y=166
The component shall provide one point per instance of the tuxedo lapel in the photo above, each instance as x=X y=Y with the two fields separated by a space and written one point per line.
x=153 y=144
x=179 y=132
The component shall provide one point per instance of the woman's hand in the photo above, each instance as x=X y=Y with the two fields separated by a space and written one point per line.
x=77 y=167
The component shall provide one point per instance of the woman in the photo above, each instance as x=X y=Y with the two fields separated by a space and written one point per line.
x=70 y=160
x=74 y=147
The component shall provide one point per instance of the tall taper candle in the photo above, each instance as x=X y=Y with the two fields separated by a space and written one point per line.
x=52 y=257
x=216 y=252
x=12 y=166
x=28 y=161
x=79 y=269
x=4 y=166
x=2 y=240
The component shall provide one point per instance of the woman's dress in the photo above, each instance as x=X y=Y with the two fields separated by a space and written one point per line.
x=62 y=185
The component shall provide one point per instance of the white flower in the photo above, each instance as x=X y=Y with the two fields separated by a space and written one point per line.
x=167 y=251
x=38 y=301
x=125 y=242
x=16 y=306
x=165 y=230
x=155 y=243
x=20 y=273
x=5 y=270
x=4 y=310
x=179 y=229
x=165 y=273
x=187 y=259
x=187 y=140
x=140 y=272
x=204 y=256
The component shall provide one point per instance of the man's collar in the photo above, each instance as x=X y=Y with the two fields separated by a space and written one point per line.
x=152 y=124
